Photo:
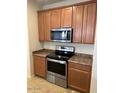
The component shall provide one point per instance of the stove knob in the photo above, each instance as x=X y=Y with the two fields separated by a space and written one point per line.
x=59 y=56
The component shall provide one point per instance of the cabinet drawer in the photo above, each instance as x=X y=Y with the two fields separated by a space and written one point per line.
x=39 y=58
x=80 y=66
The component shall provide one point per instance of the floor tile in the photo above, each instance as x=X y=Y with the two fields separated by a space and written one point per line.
x=39 y=85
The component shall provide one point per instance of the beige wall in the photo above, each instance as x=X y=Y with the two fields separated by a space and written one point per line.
x=32 y=33
x=28 y=61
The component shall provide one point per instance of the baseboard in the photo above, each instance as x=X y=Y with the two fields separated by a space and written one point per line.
x=30 y=76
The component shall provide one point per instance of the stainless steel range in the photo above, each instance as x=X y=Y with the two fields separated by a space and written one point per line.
x=57 y=63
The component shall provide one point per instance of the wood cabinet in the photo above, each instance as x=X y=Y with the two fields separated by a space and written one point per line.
x=53 y=19
x=47 y=25
x=40 y=66
x=44 y=25
x=89 y=23
x=84 y=22
x=78 y=12
x=79 y=78
x=61 y=17
x=66 y=18
x=56 y=18
x=82 y=18
x=41 y=26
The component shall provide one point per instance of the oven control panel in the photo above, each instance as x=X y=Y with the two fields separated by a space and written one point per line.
x=65 y=48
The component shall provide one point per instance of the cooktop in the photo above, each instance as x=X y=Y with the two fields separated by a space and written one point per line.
x=62 y=53
x=58 y=57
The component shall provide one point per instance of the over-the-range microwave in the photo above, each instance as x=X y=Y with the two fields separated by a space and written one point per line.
x=61 y=34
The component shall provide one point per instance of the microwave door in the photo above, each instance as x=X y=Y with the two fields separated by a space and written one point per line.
x=66 y=35
x=56 y=35
x=63 y=35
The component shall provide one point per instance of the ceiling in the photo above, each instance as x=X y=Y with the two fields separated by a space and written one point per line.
x=44 y=2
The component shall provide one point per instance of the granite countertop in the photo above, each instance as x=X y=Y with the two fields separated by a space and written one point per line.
x=42 y=52
x=80 y=58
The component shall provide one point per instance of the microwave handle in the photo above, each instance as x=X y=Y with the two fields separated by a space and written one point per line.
x=66 y=33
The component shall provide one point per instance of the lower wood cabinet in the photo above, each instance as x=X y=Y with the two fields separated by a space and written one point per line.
x=40 y=66
x=79 y=75
x=79 y=79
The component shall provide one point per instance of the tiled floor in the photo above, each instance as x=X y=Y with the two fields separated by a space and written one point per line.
x=39 y=85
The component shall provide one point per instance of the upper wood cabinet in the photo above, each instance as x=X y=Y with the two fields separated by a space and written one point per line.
x=44 y=25
x=41 y=25
x=84 y=22
x=66 y=18
x=82 y=18
x=89 y=23
x=78 y=12
x=47 y=25
x=56 y=18
x=61 y=17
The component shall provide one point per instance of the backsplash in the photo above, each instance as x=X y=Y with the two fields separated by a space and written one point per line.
x=79 y=48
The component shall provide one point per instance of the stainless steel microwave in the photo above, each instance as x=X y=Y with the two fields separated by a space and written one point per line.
x=61 y=35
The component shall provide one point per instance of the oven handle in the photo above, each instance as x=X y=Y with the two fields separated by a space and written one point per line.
x=57 y=61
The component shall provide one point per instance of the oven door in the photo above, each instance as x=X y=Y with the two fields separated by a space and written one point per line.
x=57 y=67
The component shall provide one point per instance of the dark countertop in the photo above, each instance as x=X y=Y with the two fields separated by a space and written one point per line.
x=42 y=52
x=80 y=58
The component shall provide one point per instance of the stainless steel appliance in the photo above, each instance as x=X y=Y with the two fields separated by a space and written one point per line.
x=57 y=65
x=61 y=35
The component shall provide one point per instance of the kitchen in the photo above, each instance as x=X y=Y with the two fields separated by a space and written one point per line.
x=73 y=17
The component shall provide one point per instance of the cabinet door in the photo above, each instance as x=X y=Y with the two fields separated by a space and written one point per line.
x=41 y=25
x=89 y=23
x=47 y=25
x=77 y=23
x=79 y=80
x=39 y=66
x=66 y=19
x=56 y=18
